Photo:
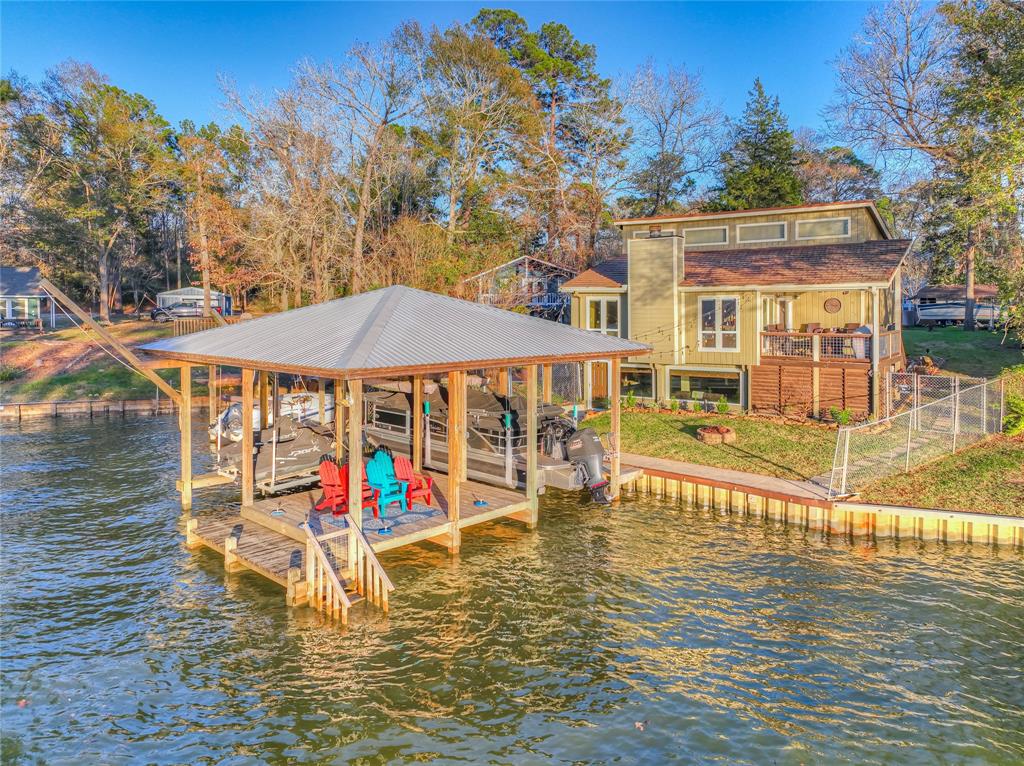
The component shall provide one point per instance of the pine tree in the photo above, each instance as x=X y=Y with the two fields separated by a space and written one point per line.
x=759 y=169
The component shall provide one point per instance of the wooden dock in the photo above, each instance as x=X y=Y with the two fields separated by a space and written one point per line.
x=274 y=537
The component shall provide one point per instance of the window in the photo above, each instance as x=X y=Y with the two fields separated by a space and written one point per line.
x=719 y=324
x=603 y=315
x=713 y=235
x=638 y=381
x=704 y=386
x=821 y=228
x=653 y=233
x=760 y=232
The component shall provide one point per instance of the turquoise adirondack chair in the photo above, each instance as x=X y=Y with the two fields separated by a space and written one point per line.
x=380 y=472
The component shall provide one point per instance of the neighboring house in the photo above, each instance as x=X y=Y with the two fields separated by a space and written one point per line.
x=787 y=310
x=22 y=300
x=194 y=296
x=525 y=282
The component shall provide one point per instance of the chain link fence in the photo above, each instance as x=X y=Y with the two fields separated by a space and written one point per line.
x=917 y=435
x=907 y=390
x=567 y=383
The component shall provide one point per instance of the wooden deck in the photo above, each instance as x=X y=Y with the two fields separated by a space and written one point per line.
x=270 y=537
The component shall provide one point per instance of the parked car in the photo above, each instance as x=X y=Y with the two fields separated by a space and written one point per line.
x=177 y=311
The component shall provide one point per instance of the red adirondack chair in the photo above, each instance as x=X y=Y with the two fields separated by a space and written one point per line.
x=334 y=481
x=419 y=485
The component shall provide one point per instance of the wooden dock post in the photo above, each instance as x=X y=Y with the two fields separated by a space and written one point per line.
x=456 y=451
x=231 y=563
x=355 y=464
x=339 y=419
x=191 y=540
x=531 y=444
x=616 y=426
x=264 y=399
x=417 y=423
x=321 y=401
x=212 y=393
x=248 y=469
x=548 y=384
x=291 y=593
x=185 y=424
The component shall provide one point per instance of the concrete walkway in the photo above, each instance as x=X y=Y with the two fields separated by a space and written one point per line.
x=796 y=488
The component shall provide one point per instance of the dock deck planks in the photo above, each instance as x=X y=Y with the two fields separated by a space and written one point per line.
x=269 y=543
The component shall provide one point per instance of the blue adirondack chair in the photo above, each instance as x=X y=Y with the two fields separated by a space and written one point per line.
x=380 y=472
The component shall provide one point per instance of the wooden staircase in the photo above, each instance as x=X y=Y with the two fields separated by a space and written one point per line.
x=342 y=570
x=330 y=572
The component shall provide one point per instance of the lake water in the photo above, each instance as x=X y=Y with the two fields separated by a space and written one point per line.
x=731 y=640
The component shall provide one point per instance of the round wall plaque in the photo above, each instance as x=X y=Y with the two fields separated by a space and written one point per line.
x=833 y=305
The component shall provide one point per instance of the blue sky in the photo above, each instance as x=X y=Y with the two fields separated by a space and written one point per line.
x=174 y=52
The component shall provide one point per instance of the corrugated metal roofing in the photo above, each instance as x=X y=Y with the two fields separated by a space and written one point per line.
x=391 y=328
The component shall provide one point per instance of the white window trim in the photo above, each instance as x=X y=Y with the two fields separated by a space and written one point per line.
x=718 y=349
x=707 y=228
x=847 y=235
x=604 y=315
x=741 y=241
x=669 y=231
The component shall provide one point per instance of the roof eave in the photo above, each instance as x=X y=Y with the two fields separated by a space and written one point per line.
x=405 y=371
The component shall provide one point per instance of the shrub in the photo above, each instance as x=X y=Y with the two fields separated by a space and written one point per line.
x=843 y=417
x=709 y=406
x=631 y=400
x=9 y=372
x=722 y=406
x=1013 y=420
x=673 y=405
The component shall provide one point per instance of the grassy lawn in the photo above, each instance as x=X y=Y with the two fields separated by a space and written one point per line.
x=977 y=354
x=762 y=446
x=988 y=477
x=99 y=380
x=66 y=364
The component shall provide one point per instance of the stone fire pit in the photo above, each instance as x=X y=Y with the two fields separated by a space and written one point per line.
x=716 y=434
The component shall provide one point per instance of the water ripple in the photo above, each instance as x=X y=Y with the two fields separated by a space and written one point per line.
x=736 y=641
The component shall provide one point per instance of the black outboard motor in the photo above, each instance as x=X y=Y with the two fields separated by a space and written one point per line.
x=586 y=452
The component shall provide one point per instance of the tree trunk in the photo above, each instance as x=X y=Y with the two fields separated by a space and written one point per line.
x=355 y=282
x=177 y=250
x=104 y=274
x=969 y=257
x=204 y=260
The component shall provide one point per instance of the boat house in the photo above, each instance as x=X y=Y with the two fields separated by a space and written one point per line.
x=394 y=337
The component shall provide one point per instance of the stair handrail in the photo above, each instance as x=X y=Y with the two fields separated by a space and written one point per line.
x=373 y=583
x=317 y=561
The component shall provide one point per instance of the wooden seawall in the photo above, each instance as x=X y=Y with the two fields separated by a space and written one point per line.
x=802 y=504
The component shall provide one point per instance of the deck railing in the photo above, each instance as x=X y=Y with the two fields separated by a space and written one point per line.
x=853 y=347
x=369 y=577
x=796 y=345
x=325 y=590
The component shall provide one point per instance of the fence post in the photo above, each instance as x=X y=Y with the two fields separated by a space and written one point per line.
x=910 y=431
x=1002 y=403
x=984 y=408
x=846 y=463
x=956 y=409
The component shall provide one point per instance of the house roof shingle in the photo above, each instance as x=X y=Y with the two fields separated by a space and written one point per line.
x=860 y=262
x=20 y=281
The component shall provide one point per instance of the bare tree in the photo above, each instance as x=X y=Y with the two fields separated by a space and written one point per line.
x=677 y=132
x=365 y=97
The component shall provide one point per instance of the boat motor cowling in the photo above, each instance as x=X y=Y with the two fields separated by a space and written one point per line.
x=584 y=449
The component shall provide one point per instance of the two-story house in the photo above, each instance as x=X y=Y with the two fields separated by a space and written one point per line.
x=791 y=310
